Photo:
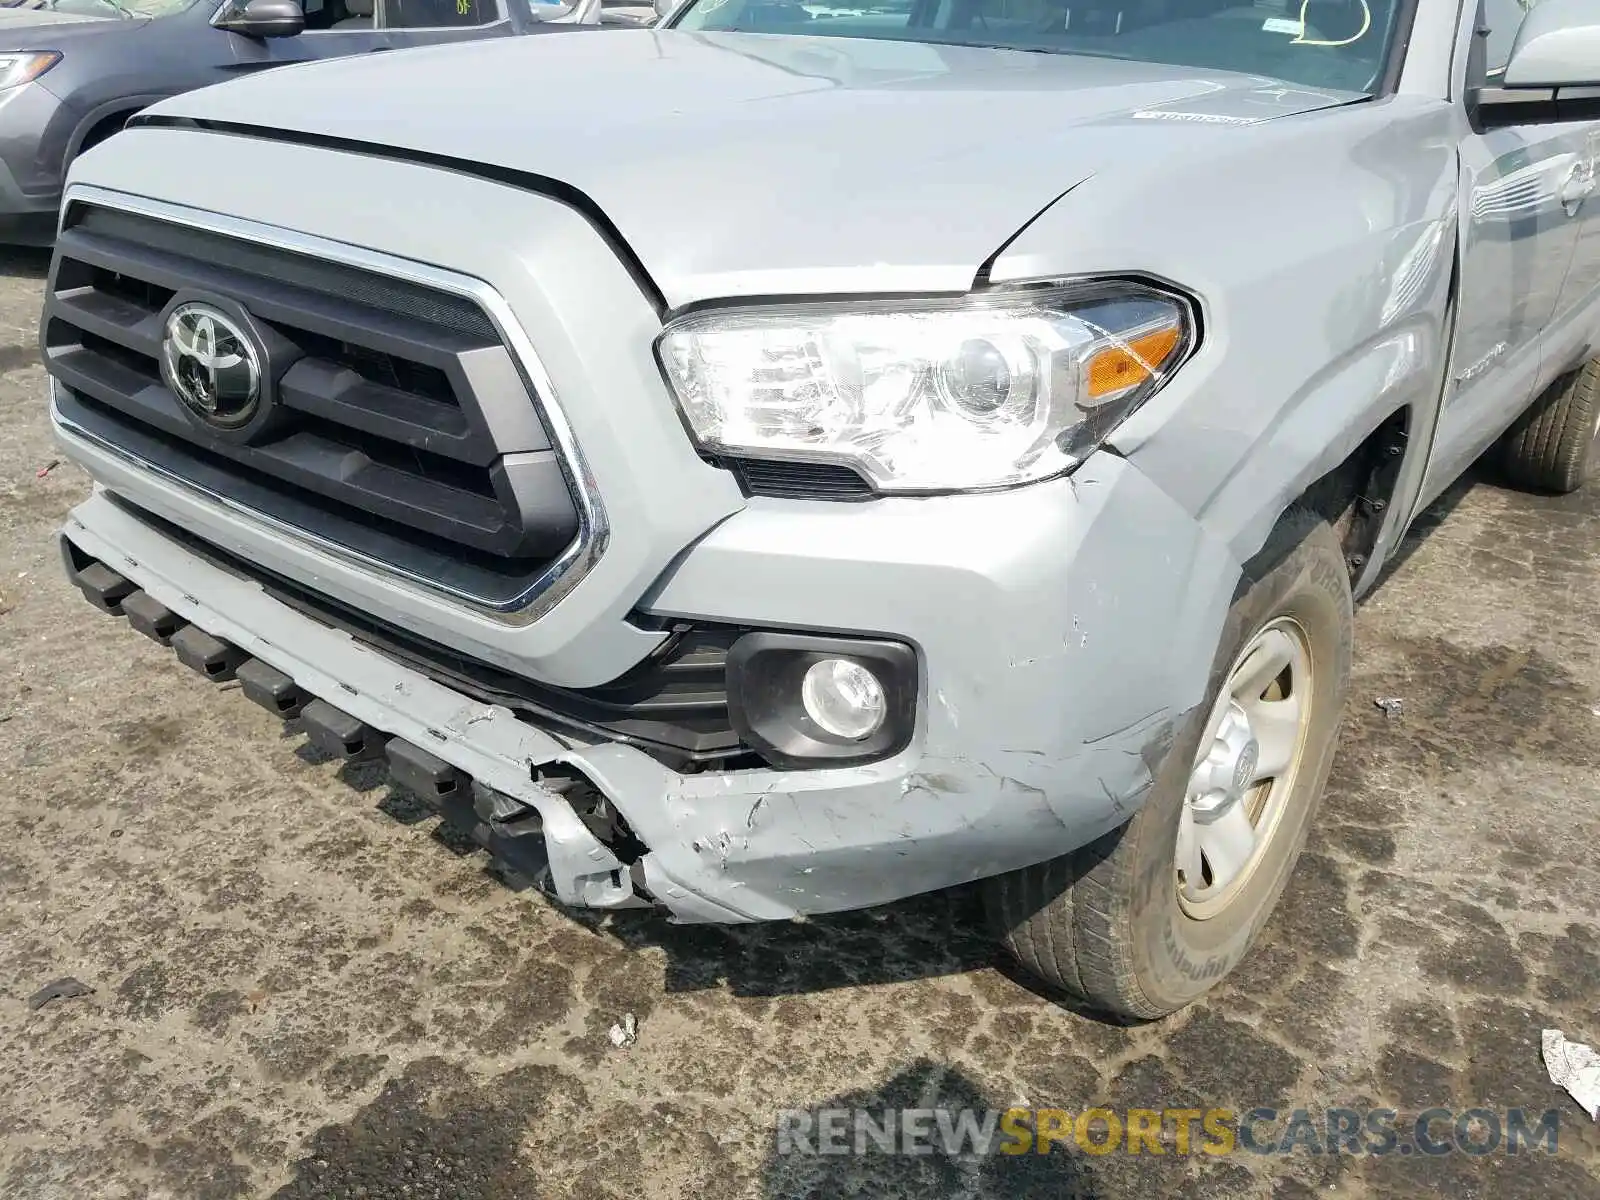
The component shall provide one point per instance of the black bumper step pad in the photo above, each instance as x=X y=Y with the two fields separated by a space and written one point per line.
x=211 y=657
x=103 y=587
x=271 y=689
x=151 y=617
x=424 y=775
x=511 y=832
x=338 y=734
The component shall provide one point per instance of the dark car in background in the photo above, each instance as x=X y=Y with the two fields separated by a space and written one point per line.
x=73 y=71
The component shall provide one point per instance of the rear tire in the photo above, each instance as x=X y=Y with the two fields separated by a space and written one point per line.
x=1555 y=445
x=1114 y=924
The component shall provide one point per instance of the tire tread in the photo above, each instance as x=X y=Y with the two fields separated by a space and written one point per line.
x=1547 y=449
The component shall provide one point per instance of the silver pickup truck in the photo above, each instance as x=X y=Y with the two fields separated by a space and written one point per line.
x=799 y=457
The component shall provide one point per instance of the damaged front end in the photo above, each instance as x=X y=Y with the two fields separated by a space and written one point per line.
x=997 y=766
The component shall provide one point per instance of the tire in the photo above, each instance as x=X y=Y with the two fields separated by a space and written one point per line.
x=1106 y=924
x=1555 y=444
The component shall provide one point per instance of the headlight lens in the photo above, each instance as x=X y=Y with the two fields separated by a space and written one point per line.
x=17 y=69
x=922 y=396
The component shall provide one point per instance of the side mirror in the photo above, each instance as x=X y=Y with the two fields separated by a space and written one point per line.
x=664 y=9
x=1552 y=72
x=262 y=18
x=1557 y=46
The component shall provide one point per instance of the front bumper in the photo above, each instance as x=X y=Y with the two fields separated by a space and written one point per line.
x=1017 y=759
x=35 y=128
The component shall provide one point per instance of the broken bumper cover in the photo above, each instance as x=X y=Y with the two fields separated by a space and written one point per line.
x=1042 y=719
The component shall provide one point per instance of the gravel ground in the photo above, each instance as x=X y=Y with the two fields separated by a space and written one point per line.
x=302 y=987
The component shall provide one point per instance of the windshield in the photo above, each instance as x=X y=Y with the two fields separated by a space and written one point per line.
x=1335 y=44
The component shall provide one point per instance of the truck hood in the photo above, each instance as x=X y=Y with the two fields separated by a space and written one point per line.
x=746 y=164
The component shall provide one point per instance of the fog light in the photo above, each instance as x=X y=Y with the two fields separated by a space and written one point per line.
x=802 y=700
x=844 y=698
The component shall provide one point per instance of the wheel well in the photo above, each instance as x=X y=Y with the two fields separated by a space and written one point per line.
x=1354 y=496
x=103 y=128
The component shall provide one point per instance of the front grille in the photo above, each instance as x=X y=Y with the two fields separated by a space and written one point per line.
x=402 y=427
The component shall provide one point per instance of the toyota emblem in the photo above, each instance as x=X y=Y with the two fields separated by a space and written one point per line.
x=211 y=365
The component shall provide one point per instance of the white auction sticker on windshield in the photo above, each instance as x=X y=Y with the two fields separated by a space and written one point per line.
x=1283 y=25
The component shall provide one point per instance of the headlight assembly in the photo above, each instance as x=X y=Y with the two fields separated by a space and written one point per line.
x=934 y=395
x=18 y=68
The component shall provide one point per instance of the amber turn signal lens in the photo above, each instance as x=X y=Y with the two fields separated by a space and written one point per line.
x=1118 y=368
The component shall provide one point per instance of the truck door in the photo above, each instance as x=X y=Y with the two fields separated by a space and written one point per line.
x=1518 y=232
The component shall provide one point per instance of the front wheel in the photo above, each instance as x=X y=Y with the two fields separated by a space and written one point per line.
x=1150 y=917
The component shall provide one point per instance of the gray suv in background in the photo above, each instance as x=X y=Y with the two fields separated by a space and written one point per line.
x=73 y=72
